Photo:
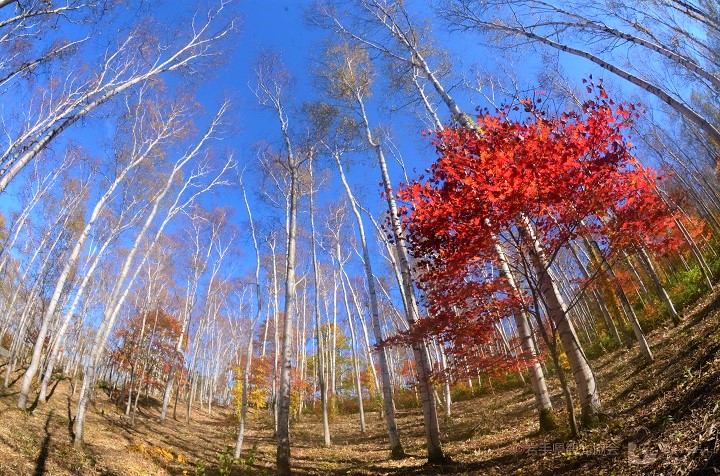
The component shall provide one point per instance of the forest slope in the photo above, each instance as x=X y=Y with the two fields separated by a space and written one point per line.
x=662 y=418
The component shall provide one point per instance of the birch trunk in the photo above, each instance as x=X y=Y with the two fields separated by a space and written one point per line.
x=249 y=349
x=72 y=261
x=557 y=311
x=118 y=296
x=283 y=420
x=320 y=350
x=108 y=85
x=422 y=361
x=609 y=323
x=353 y=340
x=659 y=288
x=625 y=302
x=474 y=22
x=537 y=377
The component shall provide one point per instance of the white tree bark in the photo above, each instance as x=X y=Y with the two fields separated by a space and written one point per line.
x=249 y=349
x=118 y=296
x=557 y=311
x=320 y=347
x=119 y=73
x=164 y=133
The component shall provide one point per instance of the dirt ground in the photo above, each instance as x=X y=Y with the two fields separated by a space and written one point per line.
x=662 y=419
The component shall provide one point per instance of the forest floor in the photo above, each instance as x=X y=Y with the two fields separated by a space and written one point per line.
x=662 y=419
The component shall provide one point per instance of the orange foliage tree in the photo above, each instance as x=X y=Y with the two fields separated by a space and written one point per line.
x=147 y=342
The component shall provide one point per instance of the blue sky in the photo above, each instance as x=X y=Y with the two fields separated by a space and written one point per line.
x=282 y=26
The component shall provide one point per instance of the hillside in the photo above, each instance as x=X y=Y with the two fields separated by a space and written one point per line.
x=662 y=419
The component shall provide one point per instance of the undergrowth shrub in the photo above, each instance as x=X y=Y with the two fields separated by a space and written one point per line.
x=599 y=346
x=686 y=287
x=406 y=399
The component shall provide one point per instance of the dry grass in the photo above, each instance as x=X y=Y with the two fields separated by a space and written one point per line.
x=669 y=410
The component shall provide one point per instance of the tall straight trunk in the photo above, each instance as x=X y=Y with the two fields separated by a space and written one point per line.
x=143 y=372
x=249 y=350
x=447 y=394
x=132 y=369
x=300 y=359
x=244 y=397
x=125 y=280
x=365 y=343
x=422 y=361
x=704 y=268
x=353 y=341
x=557 y=311
x=420 y=64
x=67 y=318
x=71 y=263
x=334 y=349
x=624 y=301
x=189 y=302
x=320 y=342
x=659 y=288
x=552 y=345
x=191 y=386
x=363 y=327
x=26 y=314
x=645 y=294
x=40 y=190
x=634 y=323
x=276 y=341
x=563 y=286
x=42 y=246
x=270 y=89
x=599 y=301
x=283 y=420
x=527 y=344
x=191 y=297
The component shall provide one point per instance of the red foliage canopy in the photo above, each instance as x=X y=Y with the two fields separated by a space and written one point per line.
x=150 y=337
x=569 y=175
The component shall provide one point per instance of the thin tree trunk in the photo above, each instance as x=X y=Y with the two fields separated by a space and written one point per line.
x=353 y=342
x=659 y=288
x=625 y=302
x=393 y=434
x=537 y=377
x=682 y=108
x=320 y=346
x=432 y=427
x=557 y=311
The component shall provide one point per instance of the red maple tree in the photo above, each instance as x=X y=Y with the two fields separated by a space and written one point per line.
x=562 y=177
x=148 y=338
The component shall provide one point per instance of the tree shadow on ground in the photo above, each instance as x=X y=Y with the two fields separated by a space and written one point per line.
x=52 y=390
x=20 y=373
x=45 y=448
x=47 y=398
x=71 y=420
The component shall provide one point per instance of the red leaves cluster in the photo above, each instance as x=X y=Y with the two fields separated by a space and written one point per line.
x=569 y=175
x=150 y=338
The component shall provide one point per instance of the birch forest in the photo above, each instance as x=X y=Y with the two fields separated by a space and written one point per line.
x=360 y=237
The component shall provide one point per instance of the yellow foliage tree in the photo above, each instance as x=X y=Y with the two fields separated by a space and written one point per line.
x=259 y=383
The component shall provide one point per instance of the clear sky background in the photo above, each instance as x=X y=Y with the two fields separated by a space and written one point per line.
x=284 y=27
